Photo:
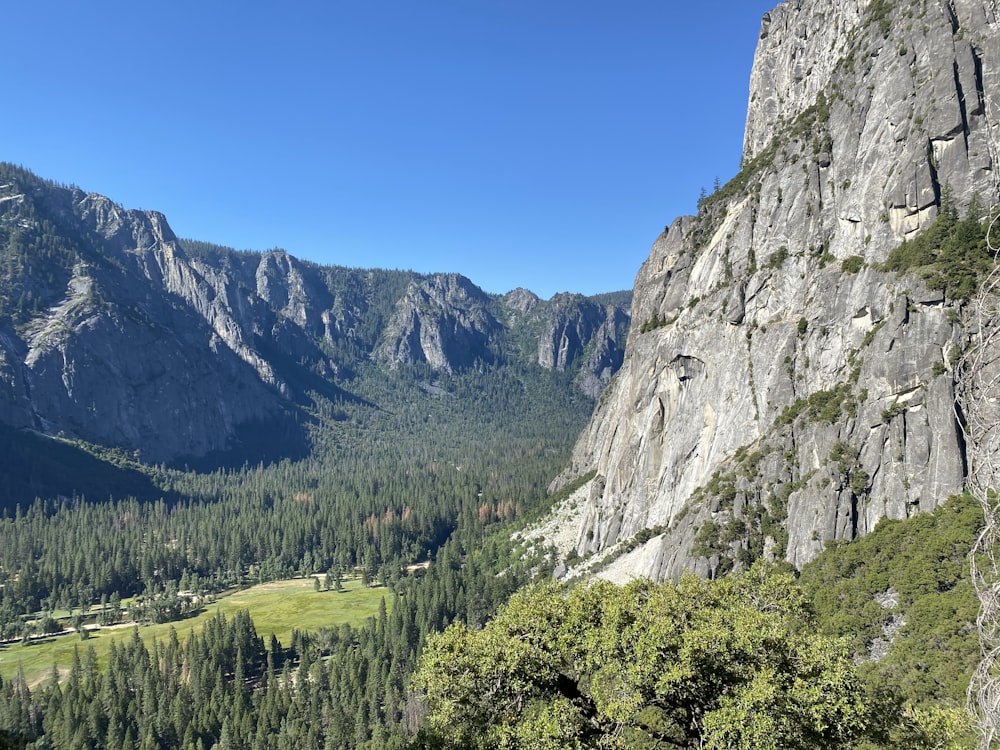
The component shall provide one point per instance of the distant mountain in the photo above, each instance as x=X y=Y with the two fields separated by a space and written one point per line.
x=116 y=333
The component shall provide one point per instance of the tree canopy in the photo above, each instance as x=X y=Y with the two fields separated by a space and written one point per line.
x=730 y=663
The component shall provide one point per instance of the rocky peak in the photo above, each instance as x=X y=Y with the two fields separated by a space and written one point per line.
x=570 y=322
x=799 y=47
x=604 y=352
x=521 y=300
x=567 y=324
x=894 y=99
x=443 y=321
x=779 y=389
x=293 y=289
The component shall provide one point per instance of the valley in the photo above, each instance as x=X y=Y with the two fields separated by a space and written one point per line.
x=736 y=506
x=277 y=608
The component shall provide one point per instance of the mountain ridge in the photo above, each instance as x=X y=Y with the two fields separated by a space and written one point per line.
x=115 y=331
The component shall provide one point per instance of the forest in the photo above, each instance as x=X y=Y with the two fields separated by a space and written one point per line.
x=390 y=683
x=415 y=483
x=381 y=490
x=410 y=500
x=464 y=657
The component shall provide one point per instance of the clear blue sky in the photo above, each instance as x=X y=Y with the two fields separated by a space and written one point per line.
x=530 y=143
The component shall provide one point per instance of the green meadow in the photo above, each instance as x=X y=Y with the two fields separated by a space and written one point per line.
x=277 y=608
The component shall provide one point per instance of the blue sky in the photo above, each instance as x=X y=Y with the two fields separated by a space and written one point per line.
x=519 y=142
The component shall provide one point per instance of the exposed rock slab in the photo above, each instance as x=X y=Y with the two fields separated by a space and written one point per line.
x=777 y=391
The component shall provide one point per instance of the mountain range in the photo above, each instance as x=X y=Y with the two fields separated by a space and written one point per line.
x=116 y=333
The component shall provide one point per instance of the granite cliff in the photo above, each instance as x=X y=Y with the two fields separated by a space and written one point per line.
x=781 y=386
x=115 y=332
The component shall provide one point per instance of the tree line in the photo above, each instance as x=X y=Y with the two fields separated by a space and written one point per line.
x=226 y=687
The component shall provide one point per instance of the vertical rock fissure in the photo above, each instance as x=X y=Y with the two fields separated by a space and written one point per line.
x=962 y=107
x=933 y=173
x=949 y=9
x=854 y=515
x=960 y=432
x=977 y=66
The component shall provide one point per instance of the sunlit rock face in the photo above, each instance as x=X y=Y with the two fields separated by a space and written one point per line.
x=447 y=322
x=136 y=346
x=778 y=391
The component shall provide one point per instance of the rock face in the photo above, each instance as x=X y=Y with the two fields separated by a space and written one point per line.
x=107 y=353
x=450 y=324
x=443 y=321
x=573 y=328
x=778 y=391
x=115 y=332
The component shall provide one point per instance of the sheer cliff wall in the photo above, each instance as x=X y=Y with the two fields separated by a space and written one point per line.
x=778 y=389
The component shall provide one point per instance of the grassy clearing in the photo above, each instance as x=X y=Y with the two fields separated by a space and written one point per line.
x=276 y=608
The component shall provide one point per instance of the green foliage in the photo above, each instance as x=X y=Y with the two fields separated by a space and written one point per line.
x=98 y=709
x=37 y=254
x=778 y=257
x=741 y=541
x=216 y=254
x=880 y=13
x=622 y=298
x=278 y=608
x=644 y=535
x=950 y=255
x=846 y=458
x=811 y=120
x=570 y=487
x=820 y=406
x=711 y=208
x=709 y=542
x=871 y=333
x=852 y=264
x=222 y=685
x=924 y=561
x=893 y=411
x=38 y=466
x=657 y=321
x=858 y=480
x=733 y=663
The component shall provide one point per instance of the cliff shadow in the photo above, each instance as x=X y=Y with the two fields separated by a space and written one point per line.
x=33 y=465
x=256 y=442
